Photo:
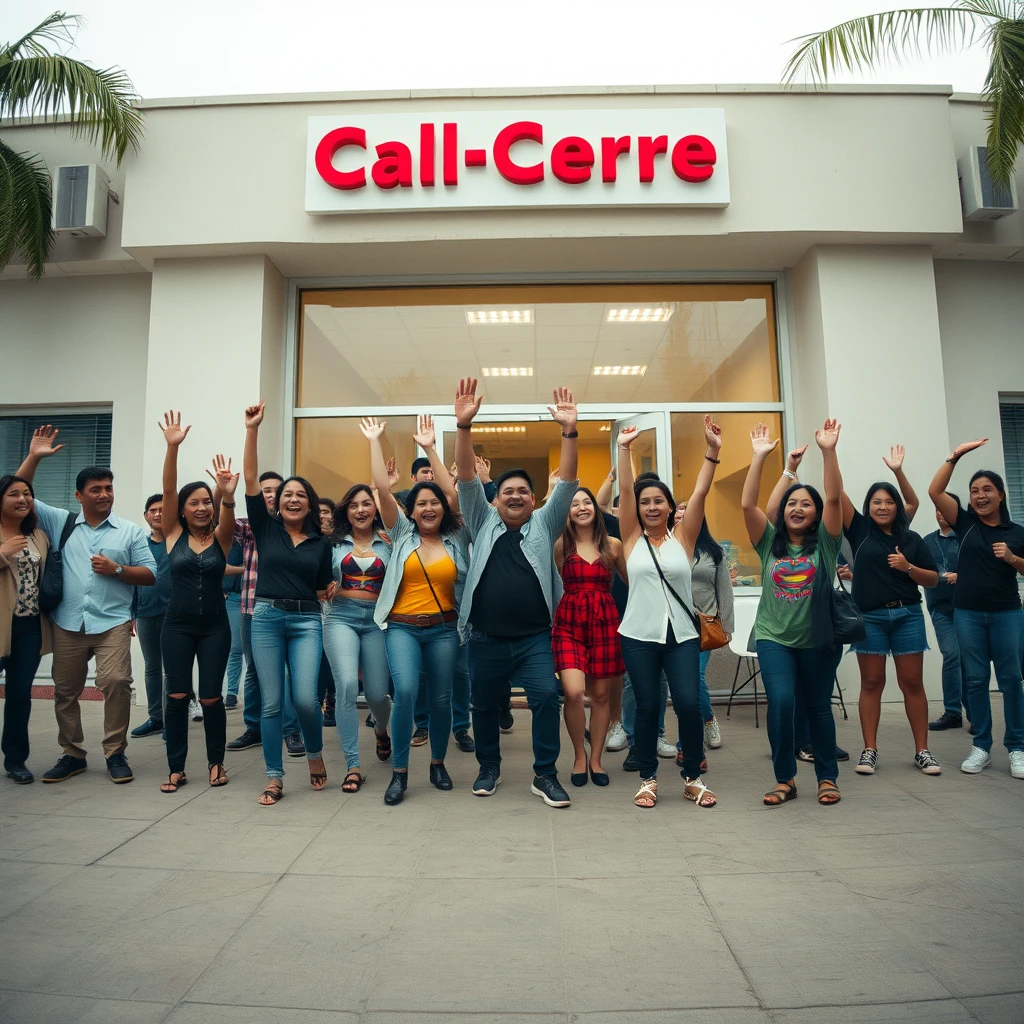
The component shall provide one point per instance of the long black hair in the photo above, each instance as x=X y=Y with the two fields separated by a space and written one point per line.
x=901 y=521
x=659 y=485
x=31 y=521
x=997 y=483
x=707 y=545
x=312 y=523
x=184 y=494
x=342 y=523
x=450 y=521
x=780 y=542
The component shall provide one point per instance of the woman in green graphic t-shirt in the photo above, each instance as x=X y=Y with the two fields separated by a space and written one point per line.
x=802 y=542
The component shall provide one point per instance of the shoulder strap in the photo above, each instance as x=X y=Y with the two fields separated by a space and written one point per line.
x=69 y=528
x=657 y=565
x=426 y=576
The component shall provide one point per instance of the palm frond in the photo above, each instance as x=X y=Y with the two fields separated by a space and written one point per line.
x=58 y=29
x=97 y=103
x=1004 y=92
x=25 y=217
x=889 y=37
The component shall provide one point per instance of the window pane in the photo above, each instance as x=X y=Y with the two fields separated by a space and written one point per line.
x=610 y=344
x=722 y=508
x=1011 y=418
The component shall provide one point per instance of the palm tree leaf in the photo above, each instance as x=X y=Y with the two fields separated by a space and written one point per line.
x=889 y=37
x=1004 y=92
x=97 y=104
x=25 y=212
x=59 y=29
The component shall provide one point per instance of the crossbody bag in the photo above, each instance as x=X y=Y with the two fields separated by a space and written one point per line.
x=433 y=593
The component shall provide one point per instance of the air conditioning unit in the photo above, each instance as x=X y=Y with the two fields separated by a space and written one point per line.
x=80 y=193
x=981 y=197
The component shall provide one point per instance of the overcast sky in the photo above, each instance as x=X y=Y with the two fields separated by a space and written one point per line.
x=216 y=47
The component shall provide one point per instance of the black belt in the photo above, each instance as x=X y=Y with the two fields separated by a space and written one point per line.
x=900 y=604
x=287 y=604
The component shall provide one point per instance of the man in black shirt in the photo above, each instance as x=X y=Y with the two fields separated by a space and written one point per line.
x=419 y=473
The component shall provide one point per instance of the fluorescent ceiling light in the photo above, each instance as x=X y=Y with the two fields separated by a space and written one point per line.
x=498 y=430
x=638 y=315
x=507 y=371
x=619 y=371
x=480 y=317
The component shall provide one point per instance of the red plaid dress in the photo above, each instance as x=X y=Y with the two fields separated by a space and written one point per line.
x=585 y=633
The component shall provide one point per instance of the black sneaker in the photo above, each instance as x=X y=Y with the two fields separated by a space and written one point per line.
x=231 y=702
x=487 y=781
x=65 y=768
x=842 y=755
x=631 y=763
x=548 y=788
x=419 y=737
x=369 y=719
x=947 y=720
x=465 y=741
x=506 y=723
x=294 y=745
x=20 y=774
x=148 y=727
x=249 y=738
x=118 y=770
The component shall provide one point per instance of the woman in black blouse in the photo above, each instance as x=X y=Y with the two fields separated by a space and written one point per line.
x=890 y=563
x=987 y=613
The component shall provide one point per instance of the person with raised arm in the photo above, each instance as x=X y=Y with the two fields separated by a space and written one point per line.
x=987 y=613
x=660 y=630
x=418 y=610
x=511 y=595
x=196 y=627
x=800 y=544
x=287 y=627
x=890 y=565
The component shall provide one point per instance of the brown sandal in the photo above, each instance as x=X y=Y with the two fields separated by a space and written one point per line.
x=218 y=777
x=780 y=793
x=383 y=745
x=828 y=793
x=270 y=796
x=170 y=786
x=352 y=782
x=318 y=780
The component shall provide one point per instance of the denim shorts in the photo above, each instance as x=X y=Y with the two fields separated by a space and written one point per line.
x=893 y=631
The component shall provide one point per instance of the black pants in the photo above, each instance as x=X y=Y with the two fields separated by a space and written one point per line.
x=19 y=673
x=184 y=640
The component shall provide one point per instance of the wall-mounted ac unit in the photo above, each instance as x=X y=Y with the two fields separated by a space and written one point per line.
x=981 y=197
x=80 y=193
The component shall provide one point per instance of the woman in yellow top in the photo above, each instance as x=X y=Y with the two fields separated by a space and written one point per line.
x=418 y=609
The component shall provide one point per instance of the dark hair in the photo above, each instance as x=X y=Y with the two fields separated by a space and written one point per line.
x=418 y=464
x=707 y=545
x=997 y=483
x=649 y=475
x=184 y=494
x=271 y=474
x=647 y=480
x=328 y=502
x=92 y=473
x=342 y=526
x=901 y=523
x=450 y=521
x=604 y=548
x=312 y=523
x=509 y=474
x=31 y=521
x=153 y=499
x=780 y=542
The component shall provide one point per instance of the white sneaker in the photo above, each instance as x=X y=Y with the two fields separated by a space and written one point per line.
x=712 y=734
x=616 y=738
x=195 y=710
x=1017 y=764
x=666 y=749
x=977 y=761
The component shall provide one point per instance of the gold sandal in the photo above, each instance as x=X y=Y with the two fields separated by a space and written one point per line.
x=648 y=790
x=695 y=790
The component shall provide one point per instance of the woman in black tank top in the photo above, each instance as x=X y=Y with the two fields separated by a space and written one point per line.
x=196 y=624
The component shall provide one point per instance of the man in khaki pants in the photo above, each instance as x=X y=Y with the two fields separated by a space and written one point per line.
x=104 y=558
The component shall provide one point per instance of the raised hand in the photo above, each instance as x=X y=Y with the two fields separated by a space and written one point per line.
x=393 y=474
x=712 y=434
x=467 y=403
x=968 y=446
x=896 y=455
x=424 y=435
x=899 y=562
x=794 y=458
x=563 y=411
x=828 y=437
x=761 y=442
x=174 y=433
x=254 y=414
x=627 y=435
x=483 y=469
x=225 y=480
x=372 y=430
x=42 y=444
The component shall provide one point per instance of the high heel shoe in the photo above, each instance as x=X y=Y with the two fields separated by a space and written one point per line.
x=395 y=792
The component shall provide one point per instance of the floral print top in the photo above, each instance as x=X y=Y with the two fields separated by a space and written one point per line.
x=27 y=565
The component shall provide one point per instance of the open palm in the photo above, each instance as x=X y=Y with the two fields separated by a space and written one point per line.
x=828 y=437
x=372 y=430
x=174 y=433
x=43 y=442
x=467 y=402
x=760 y=440
x=424 y=435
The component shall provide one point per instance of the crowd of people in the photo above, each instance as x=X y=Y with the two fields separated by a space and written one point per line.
x=437 y=600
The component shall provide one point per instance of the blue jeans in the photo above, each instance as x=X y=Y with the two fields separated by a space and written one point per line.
x=460 y=695
x=893 y=631
x=996 y=638
x=412 y=650
x=233 y=603
x=793 y=677
x=954 y=691
x=629 y=707
x=19 y=674
x=801 y=728
x=148 y=628
x=252 y=699
x=495 y=664
x=294 y=641
x=352 y=640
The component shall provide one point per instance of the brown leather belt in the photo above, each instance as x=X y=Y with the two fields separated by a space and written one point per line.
x=423 y=621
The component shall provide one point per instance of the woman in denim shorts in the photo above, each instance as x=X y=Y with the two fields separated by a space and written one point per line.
x=890 y=565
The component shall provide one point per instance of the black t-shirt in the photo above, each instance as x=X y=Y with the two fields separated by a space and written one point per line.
x=985 y=583
x=285 y=570
x=874 y=584
x=508 y=600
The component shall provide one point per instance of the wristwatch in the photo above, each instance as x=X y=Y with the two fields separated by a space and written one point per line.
x=118 y=569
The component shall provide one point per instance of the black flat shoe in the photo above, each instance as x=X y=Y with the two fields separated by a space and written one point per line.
x=578 y=778
x=630 y=763
x=21 y=775
x=395 y=793
x=599 y=778
x=439 y=776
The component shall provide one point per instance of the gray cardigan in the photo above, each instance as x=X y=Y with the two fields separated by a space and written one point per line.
x=704 y=577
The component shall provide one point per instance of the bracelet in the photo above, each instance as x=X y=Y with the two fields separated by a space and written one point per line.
x=953 y=459
x=786 y=472
x=467 y=426
x=228 y=504
x=570 y=435
x=715 y=461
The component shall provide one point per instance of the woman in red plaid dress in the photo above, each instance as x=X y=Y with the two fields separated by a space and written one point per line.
x=585 y=638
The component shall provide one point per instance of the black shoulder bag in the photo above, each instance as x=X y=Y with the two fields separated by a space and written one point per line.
x=835 y=618
x=51 y=582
